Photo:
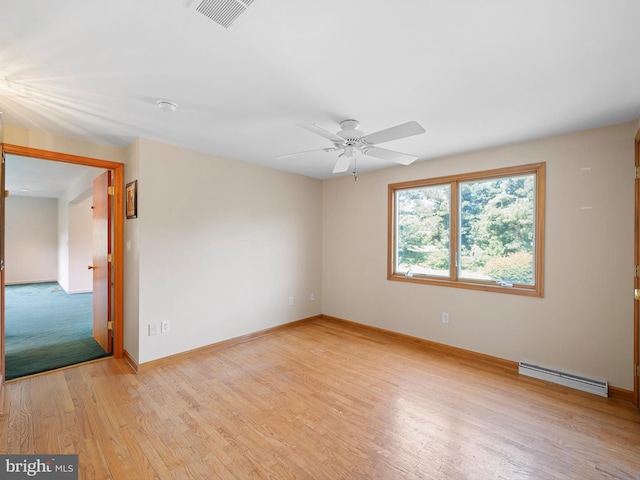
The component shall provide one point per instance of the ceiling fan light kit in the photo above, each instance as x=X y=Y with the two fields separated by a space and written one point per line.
x=352 y=140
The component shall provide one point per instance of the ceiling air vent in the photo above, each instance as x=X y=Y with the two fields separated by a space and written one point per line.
x=225 y=13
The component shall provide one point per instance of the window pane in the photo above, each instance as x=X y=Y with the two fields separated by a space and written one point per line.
x=497 y=230
x=423 y=234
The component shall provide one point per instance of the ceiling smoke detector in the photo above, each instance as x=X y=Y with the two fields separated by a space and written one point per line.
x=166 y=106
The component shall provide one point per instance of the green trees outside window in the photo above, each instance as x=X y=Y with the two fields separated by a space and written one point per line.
x=479 y=230
x=497 y=229
x=423 y=230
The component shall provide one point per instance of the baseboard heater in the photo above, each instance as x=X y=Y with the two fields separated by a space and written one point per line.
x=599 y=387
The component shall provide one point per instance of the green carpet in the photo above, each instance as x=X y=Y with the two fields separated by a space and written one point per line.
x=45 y=328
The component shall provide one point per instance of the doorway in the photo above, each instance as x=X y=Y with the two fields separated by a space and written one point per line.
x=114 y=281
x=53 y=219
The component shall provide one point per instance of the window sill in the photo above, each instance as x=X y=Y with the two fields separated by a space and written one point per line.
x=485 y=287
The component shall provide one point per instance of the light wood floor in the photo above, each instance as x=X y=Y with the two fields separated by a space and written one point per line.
x=322 y=400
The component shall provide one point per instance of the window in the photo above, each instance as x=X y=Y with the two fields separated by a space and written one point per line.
x=481 y=230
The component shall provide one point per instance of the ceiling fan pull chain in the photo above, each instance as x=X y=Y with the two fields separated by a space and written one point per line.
x=355 y=167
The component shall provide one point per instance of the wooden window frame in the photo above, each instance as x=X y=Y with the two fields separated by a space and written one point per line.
x=535 y=290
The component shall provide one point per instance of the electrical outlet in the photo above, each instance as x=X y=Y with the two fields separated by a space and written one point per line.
x=312 y=297
x=445 y=317
x=165 y=326
x=291 y=302
x=153 y=329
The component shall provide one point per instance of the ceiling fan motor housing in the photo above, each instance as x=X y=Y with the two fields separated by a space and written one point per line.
x=350 y=132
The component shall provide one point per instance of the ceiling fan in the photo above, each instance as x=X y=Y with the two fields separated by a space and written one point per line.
x=351 y=140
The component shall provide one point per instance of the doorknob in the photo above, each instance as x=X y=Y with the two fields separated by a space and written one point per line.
x=91 y=267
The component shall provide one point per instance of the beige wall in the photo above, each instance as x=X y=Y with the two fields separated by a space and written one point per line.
x=222 y=245
x=31 y=231
x=218 y=248
x=131 y=263
x=584 y=323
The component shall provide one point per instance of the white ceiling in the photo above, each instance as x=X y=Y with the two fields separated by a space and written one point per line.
x=39 y=178
x=473 y=73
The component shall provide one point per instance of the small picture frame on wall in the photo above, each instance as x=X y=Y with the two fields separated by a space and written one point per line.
x=131 y=199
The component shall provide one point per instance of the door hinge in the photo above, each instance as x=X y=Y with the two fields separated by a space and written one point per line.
x=110 y=260
x=110 y=325
x=112 y=190
x=637 y=271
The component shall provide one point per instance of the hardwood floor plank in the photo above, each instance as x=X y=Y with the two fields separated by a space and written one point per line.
x=320 y=400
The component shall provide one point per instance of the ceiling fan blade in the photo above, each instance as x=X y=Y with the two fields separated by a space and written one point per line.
x=390 y=155
x=394 y=133
x=329 y=149
x=313 y=128
x=342 y=165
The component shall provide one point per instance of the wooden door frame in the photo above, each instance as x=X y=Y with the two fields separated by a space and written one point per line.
x=636 y=280
x=2 y=240
x=118 y=231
